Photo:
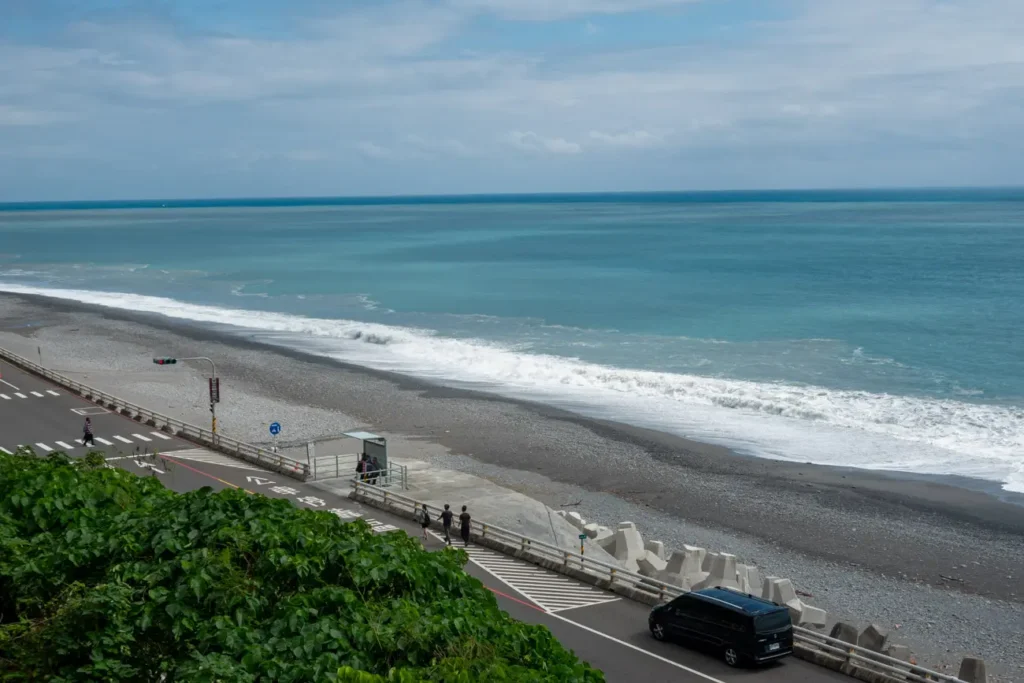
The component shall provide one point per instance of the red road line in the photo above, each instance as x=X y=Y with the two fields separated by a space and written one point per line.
x=205 y=474
x=521 y=602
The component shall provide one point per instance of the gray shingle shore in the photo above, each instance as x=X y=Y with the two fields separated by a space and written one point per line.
x=940 y=557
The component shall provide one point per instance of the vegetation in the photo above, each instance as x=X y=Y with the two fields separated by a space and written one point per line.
x=107 y=576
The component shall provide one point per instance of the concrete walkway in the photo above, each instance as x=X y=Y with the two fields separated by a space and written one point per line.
x=487 y=502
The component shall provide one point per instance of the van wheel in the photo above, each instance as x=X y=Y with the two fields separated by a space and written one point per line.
x=658 y=631
x=731 y=657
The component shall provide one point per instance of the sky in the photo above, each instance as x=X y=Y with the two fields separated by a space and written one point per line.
x=146 y=99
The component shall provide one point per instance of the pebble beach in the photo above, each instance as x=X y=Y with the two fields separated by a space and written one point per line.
x=936 y=560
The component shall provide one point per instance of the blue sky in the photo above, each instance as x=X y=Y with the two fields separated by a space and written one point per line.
x=129 y=99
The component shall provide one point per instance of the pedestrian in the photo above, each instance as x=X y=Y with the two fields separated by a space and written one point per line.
x=446 y=522
x=87 y=436
x=464 y=520
x=423 y=517
x=375 y=467
x=362 y=466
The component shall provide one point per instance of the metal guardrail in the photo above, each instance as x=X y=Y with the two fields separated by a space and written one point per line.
x=853 y=655
x=225 y=444
x=342 y=466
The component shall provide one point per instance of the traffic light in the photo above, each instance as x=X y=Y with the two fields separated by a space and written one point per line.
x=165 y=361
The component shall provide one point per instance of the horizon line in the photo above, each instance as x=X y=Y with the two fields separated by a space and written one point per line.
x=415 y=197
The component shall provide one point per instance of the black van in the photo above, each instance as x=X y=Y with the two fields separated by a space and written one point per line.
x=745 y=629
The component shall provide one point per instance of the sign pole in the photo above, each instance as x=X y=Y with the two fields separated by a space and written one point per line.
x=582 y=536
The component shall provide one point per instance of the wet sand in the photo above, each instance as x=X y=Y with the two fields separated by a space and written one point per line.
x=839 y=532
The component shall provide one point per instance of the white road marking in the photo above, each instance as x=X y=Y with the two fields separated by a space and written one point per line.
x=160 y=435
x=52 y=392
x=44 y=447
x=121 y=438
x=5 y=397
x=140 y=437
x=20 y=395
x=36 y=394
x=611 y=638
x=10 y=385
x=211 y=458
x=639 y=649
x=5 y=451
x=103 y=441
x=64 y=445
x=550 y=591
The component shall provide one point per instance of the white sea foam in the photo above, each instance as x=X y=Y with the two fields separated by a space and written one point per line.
x=783 y=421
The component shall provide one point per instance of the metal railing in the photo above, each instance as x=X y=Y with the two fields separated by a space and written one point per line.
x=338 y=466
x=612 y=577
x=224 y=444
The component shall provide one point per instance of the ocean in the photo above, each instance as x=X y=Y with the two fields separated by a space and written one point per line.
x=871 y=329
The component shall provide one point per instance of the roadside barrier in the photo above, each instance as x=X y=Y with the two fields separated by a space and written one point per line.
x=225 y=444
x=812 y=646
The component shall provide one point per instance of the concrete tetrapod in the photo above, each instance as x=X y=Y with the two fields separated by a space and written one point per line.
x=781 y=591
x=722 y=573
x=629 y=546
x=972 y=670
x=656 y=547
x=873 y=638
x=683 y=568
x=651 y=565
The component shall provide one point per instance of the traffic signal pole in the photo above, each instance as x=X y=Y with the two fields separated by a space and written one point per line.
x=213 y=380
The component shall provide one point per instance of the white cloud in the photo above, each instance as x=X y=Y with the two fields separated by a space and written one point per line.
x=531 y=142
x=637 y=139
x=15 y=116
x=835 y=75
x=372 y=150
x=553 y=10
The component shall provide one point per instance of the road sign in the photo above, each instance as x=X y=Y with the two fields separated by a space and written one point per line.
x=275 y=428
x=215 y=390
x=583 y=537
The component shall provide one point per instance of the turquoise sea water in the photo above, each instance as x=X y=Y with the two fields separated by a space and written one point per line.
x=872 y=329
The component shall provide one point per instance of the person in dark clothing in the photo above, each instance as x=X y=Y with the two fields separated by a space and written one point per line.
x=87 y=436
x=423 y=517
x=446 y=522
x=363 y=466
x=464 y=520
x=375 y=468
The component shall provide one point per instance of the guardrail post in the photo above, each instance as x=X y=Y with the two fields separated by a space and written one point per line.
x=483 y=530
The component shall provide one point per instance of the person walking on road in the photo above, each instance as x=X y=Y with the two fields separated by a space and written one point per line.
x=446 y=522
x=87 y=437
x=423 y=517
x=464 y=520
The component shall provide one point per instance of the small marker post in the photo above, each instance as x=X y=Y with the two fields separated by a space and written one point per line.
x=582 y=537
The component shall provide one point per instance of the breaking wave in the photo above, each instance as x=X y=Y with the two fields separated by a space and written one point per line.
x=775 y=420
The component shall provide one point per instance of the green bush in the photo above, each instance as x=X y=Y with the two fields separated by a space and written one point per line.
x=108 y=576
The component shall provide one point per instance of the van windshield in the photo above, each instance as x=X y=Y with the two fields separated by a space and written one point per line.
x=766 y=623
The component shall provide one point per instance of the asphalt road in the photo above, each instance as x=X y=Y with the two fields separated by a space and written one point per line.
x=603 y=629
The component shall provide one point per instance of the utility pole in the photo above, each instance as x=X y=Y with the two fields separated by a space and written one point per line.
x=214 y=384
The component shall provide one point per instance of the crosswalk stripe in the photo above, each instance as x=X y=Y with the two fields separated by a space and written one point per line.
x=64 y=445
x=160 y=435
x=140 y=437
x=44 y=447
x=36 y=393
x=548 y=590
x=104 y=441
x=20 y=395
x=5 y=397
x=5 y=451
x=52 y=392
x=121 y=438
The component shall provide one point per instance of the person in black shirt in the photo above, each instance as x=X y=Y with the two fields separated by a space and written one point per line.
x=446 y=522
x=464 y=520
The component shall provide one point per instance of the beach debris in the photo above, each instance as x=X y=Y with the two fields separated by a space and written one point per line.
x=569 y=505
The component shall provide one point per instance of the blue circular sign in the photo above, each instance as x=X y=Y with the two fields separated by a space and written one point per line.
x=275 y=428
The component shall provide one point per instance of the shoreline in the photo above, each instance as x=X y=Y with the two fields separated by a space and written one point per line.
x=867 y=544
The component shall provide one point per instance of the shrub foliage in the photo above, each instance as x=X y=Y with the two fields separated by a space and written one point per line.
x=108 y=576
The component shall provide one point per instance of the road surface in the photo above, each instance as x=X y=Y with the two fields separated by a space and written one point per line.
x=608 y=631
